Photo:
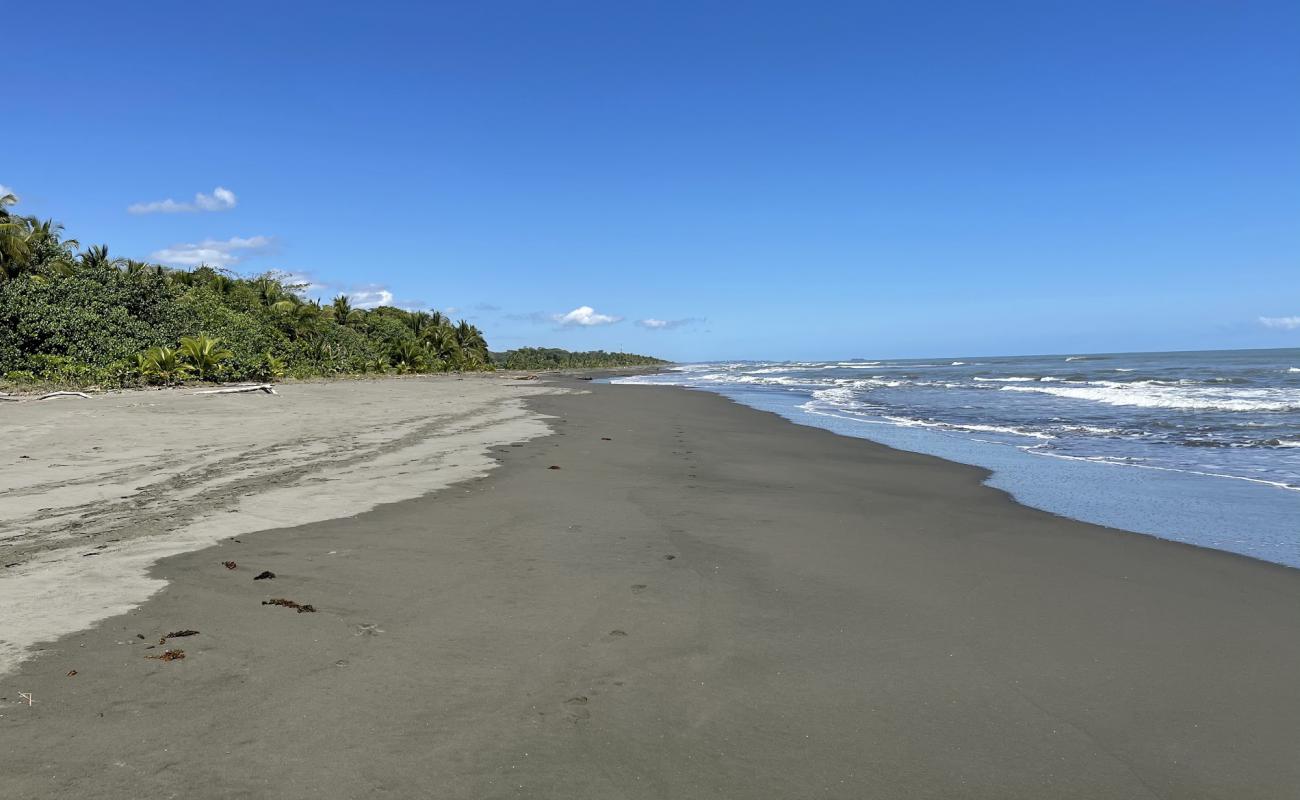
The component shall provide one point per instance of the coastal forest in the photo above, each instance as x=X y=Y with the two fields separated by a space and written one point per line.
x=76 y=316
x=553 y=358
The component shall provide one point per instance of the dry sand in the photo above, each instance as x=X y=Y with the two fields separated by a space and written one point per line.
x=93 y=492
x=703 y=601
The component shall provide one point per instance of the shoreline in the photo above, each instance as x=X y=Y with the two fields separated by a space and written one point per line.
x=838 y=617
x=989 y=481
x=1247 y=517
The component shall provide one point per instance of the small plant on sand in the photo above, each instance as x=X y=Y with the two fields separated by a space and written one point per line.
x=272 y=367
x=161 y=365
x=205 y=356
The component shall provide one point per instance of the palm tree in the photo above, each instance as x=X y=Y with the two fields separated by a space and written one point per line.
x=204 y=355
x=418 y=321
x=46 y=237
x=269 y=289
x=472 y=345
x=221 y=284
x=301 y=318
x=97 y=256
x=15 y=252
x=34 y=246
x=408 y=356
x=342 y=308
x=441 y=342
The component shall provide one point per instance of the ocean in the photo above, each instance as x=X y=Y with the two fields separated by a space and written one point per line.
x=1198 y=447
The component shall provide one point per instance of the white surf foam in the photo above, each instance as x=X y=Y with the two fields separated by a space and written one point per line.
x=1148 y=394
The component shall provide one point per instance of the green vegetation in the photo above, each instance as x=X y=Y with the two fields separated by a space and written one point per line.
x=552 y=358
x=81 y=317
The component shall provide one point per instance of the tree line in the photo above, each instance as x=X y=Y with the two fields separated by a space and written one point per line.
x=79 y=316
x=73 y=315
x=539 y=358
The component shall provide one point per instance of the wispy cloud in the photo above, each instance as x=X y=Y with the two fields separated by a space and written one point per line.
x=214 y=252
x=487 y=307
x=1280 y=323
x=653 y=324
x=371 y=296
x=221 y=199
x=584 y=316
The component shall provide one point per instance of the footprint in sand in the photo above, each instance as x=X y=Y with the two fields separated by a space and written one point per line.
x=618 y=634
x=368 y=629
x=638 y=588
x=575 y=708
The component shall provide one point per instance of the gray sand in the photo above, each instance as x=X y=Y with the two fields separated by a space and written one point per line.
x=93 y=492
x=714 y=603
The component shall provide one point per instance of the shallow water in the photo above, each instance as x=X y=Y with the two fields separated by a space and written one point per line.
x=1199 y=447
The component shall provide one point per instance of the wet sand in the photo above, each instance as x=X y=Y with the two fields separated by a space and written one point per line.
x=703 y=601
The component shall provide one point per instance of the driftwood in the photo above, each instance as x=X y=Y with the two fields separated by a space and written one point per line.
x=259 y=387
x=82 y=395
x=13 y=399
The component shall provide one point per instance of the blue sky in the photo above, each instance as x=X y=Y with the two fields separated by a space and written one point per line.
x=771 y=180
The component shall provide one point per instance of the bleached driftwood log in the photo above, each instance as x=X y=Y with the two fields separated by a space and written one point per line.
x=259 y=387
x=20 y=399
x=82 y=395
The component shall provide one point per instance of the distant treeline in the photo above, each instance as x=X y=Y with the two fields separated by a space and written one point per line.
x=554 y=358
x=81 y=317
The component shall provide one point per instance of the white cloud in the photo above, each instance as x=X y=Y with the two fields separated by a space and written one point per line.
x=216 y=253
x=666 y=324
x=585 y=316
x=221 y=199
x=371 y=296
x=1280 y=323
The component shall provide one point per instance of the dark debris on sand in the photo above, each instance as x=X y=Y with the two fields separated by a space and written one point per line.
x=265 y=576
x=169 y=655
x=301 y=607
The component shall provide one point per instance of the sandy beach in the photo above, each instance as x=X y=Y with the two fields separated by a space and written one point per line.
x=92 y=492
x=606 y=591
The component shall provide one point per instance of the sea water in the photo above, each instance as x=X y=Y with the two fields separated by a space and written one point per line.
x=1198 y=447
